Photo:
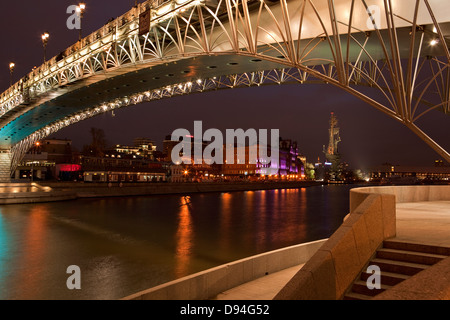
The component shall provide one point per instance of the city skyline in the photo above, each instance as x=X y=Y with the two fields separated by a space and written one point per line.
x=364 y=142
x=369 y=137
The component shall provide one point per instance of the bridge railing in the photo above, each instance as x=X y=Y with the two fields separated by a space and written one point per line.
x=23 y=89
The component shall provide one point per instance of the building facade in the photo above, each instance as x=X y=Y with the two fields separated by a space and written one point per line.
x=44 y=160
x=113 y=169
x=389 y=173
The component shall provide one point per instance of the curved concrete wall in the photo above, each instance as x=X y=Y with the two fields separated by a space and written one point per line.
x=209 y=283
x=402 y=193
x=334 y=267
x=372 y=219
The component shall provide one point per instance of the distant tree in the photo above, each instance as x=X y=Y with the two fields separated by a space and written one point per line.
x=98 y=144
x=310 y=171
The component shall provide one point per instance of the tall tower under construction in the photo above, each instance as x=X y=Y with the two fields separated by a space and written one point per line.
x=332 y=152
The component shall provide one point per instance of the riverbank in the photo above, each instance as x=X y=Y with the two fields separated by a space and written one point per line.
x=18 y=193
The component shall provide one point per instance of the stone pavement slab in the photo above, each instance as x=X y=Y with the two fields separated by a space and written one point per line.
x=424 y=222
x=264 y=288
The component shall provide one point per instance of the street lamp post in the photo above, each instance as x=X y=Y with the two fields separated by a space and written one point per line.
x=80 y=9
x=12 y=65
x=33 y=152
x=45 y=36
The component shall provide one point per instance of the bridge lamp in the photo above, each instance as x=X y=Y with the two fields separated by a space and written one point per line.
x=80 y=10
x=45 y=36
x=12 y=65
x=434 y=42
x=37 y=144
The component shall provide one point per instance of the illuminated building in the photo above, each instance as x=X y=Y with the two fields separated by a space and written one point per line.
x=239 y=169
x=319 y=170
x=332 y=155
x=45 y=160
x=388 y=173
x=143 y=148
x=290 y=165
x=110 y=169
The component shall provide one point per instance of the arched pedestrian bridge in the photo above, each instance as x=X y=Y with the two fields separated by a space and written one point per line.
x=398 y=48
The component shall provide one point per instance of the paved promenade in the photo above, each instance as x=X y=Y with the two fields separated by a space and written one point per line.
x=261 y=289
x=419 y=222
x=424 y=222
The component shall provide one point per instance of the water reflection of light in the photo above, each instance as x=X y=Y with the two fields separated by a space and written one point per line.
x=250 y=198
x=4 y=249
x=302 y=216
x=286 y=227
x=263 y=194
x=261 y=217
x=34 y=250
x=225 y=221
x=184 y=238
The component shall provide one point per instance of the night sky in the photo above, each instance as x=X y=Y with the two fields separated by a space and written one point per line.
x=301 y=113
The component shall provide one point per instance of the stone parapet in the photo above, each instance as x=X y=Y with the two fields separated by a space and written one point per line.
x=402 y=193
x=334 y=267
x=209 y=283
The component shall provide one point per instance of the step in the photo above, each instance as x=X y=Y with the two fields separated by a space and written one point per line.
x=409 y=256
x=387 y=278
x=416 y=247
x=401 y=267
x=356 y=296
x=361 y=288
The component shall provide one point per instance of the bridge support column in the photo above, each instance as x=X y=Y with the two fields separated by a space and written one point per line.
x=5 y=165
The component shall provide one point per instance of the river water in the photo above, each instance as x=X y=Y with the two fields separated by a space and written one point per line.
x=125 y=245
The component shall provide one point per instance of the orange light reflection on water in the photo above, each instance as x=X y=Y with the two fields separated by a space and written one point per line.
x=34 y=254
x=184 y=244
x=225 y=221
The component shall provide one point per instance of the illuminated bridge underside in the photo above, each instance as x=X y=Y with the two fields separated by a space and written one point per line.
x=195 y=46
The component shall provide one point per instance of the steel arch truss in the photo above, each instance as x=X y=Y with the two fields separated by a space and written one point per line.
x=404 y=59
x=253 y=79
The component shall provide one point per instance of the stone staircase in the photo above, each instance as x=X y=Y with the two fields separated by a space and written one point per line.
x=397 y=261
